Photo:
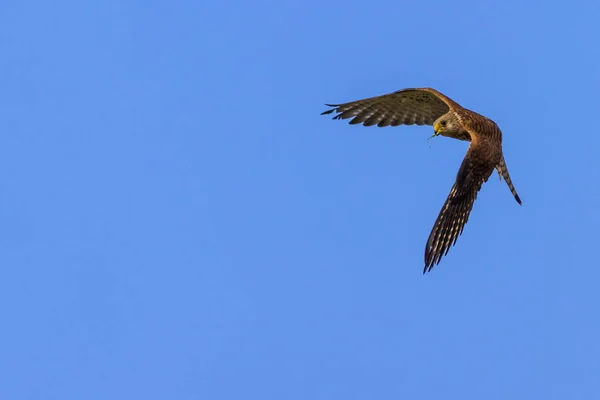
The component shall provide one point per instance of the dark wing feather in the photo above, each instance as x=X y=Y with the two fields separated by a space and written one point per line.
x=404 y=107
x=473 y=173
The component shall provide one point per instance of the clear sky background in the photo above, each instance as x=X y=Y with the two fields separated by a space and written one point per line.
x=177 y=221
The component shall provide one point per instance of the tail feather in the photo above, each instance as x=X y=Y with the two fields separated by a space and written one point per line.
x=503 y=171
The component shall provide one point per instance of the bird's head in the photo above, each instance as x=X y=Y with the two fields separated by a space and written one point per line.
x=447 y=125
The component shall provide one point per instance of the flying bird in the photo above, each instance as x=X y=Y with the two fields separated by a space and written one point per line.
x=427 y=106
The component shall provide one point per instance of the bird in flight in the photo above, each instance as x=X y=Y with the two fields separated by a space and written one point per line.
x=427 y=106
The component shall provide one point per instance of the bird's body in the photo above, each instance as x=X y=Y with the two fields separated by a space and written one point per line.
x=427 y=106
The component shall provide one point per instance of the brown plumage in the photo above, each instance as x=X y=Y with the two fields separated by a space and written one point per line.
x=427 y=106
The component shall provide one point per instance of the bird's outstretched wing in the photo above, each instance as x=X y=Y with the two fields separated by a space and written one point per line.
x=404 y=107
x=473 y=173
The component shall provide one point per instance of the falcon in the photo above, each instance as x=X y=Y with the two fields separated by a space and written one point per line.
x=427 y=106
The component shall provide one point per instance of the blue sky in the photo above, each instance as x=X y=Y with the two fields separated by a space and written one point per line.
x=177 y=221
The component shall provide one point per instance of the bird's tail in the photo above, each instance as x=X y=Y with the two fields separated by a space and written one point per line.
x=503 y=172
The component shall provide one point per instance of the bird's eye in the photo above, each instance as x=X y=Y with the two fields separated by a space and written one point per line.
x=443 y=123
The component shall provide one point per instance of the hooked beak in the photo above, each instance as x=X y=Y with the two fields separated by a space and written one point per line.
x=437 y=130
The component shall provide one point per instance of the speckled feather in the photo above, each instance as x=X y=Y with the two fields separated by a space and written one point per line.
x=423 y=106
x=474 y=171
x=403 y=107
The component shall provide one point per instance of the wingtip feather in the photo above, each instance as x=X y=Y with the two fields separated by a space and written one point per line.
x=331 y=110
